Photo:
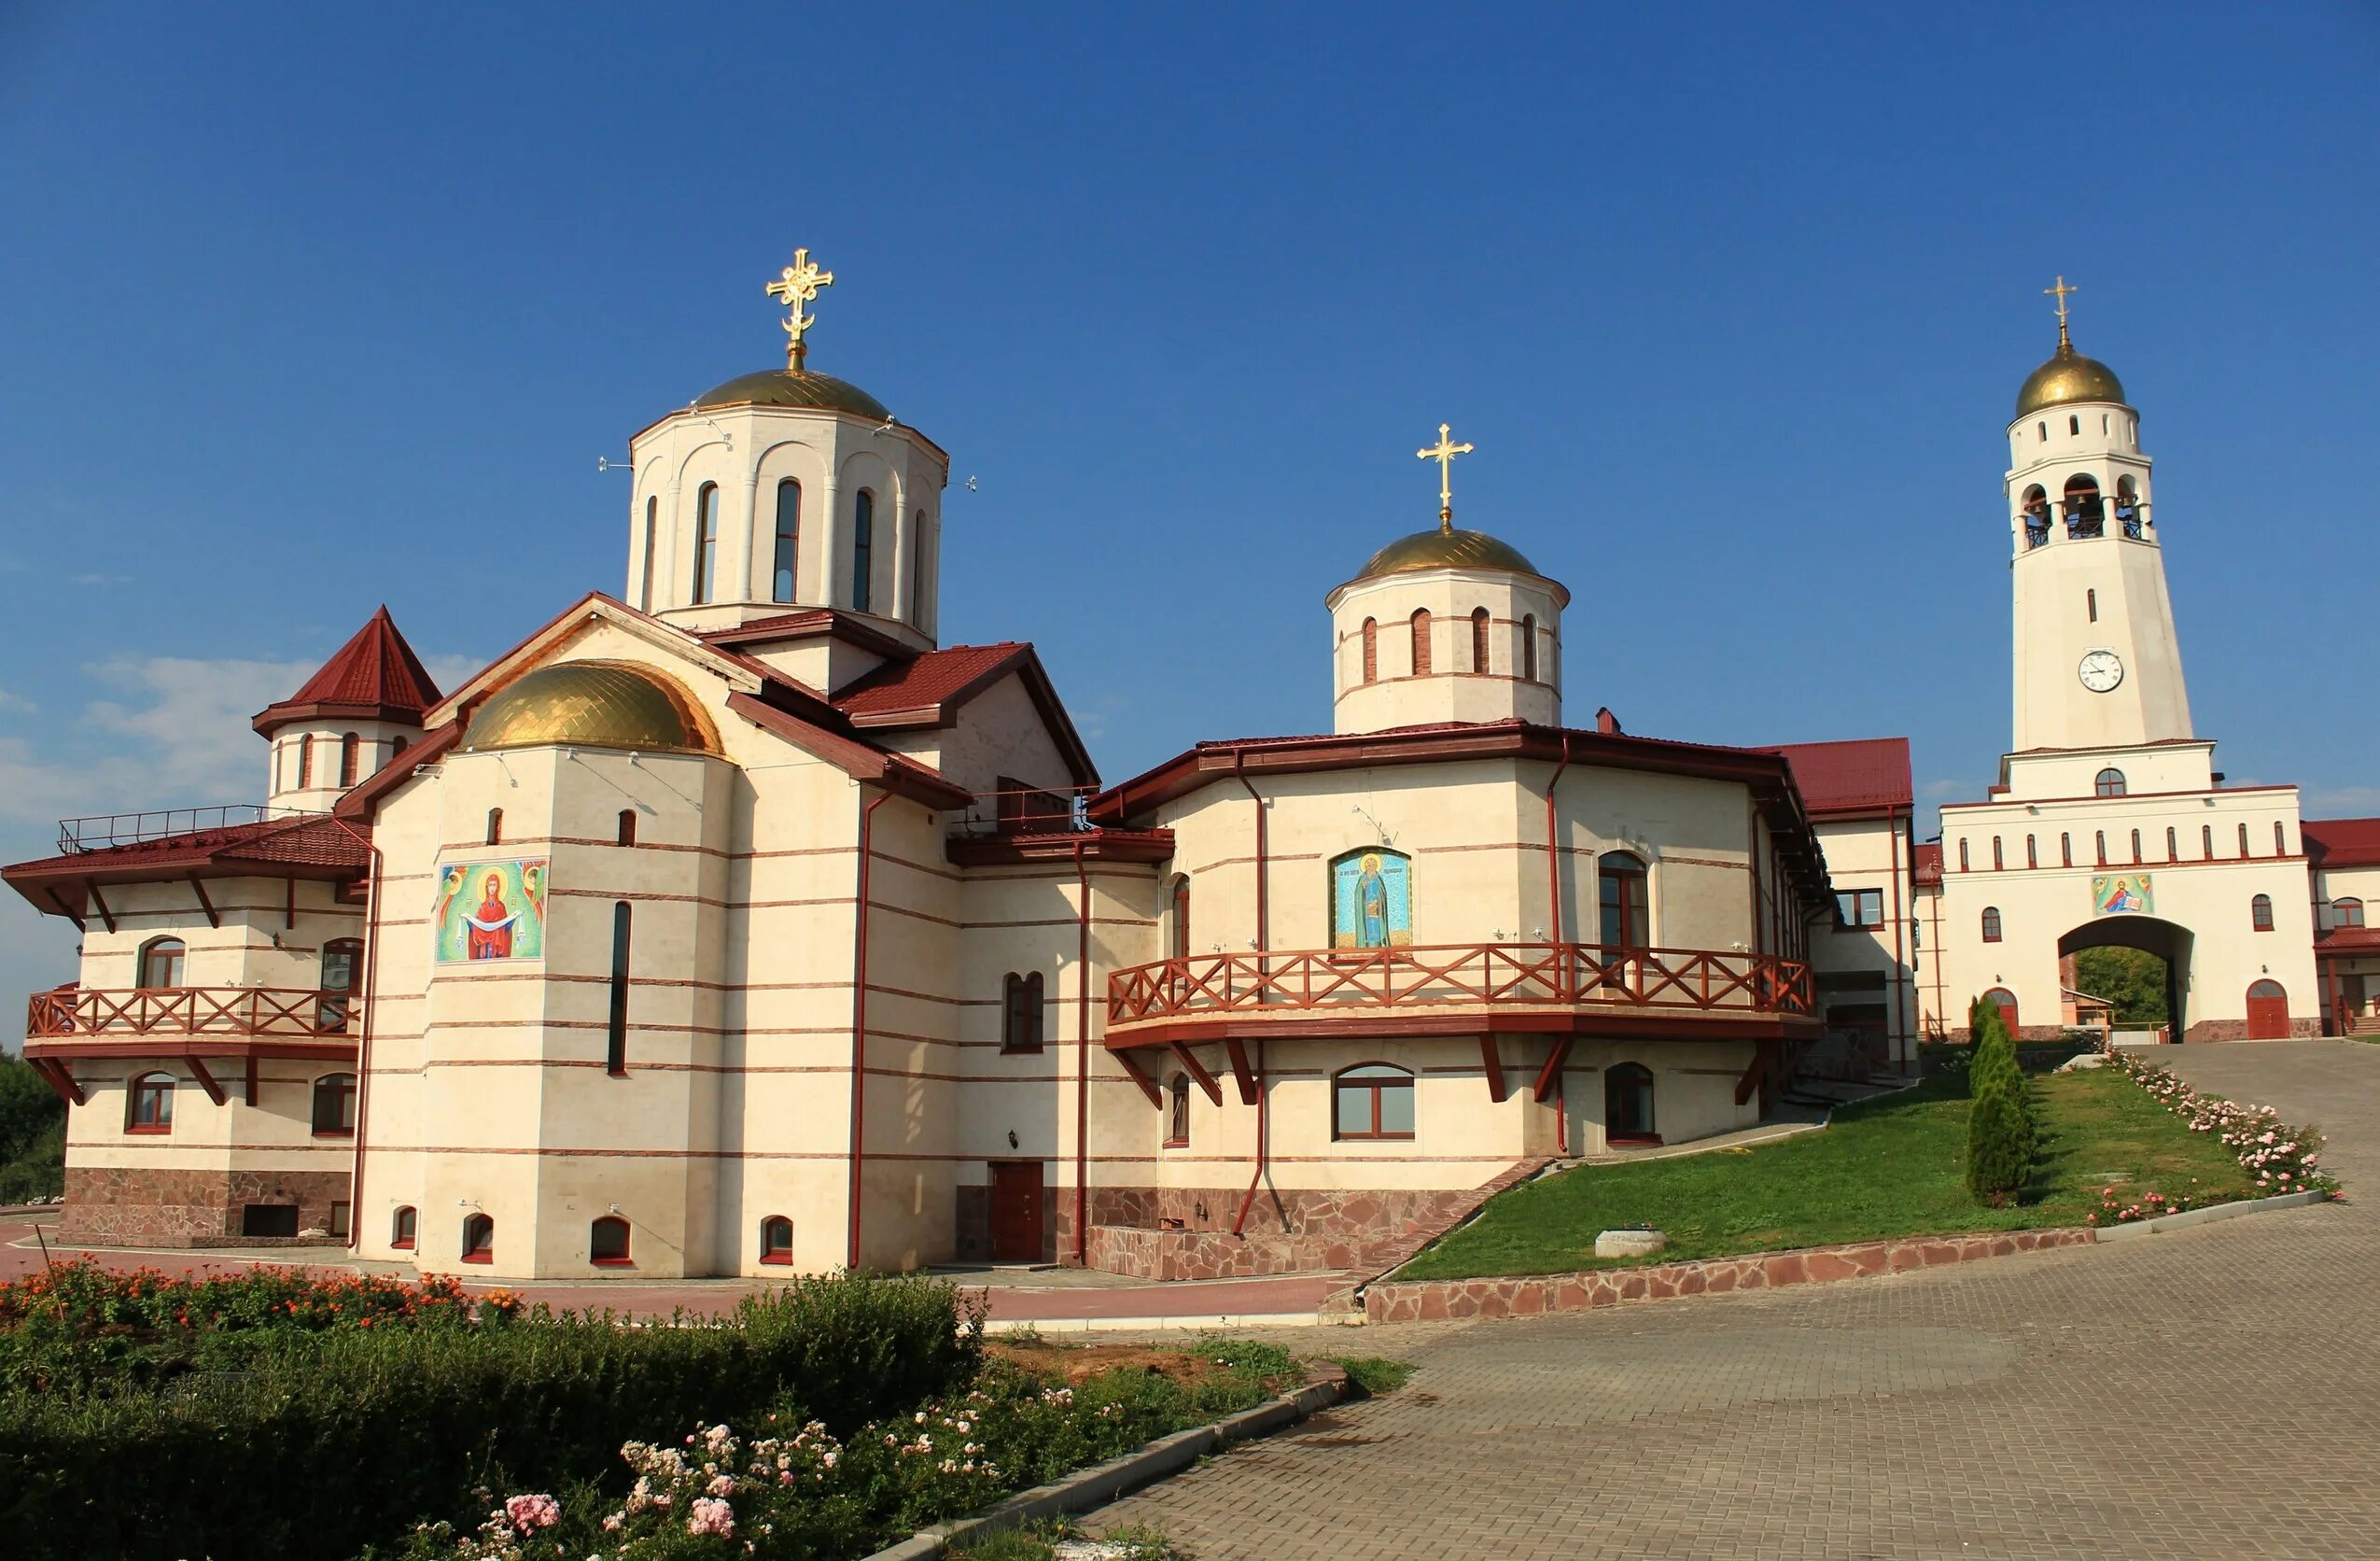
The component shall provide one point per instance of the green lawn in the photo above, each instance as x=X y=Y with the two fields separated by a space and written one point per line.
x=1890 y=1167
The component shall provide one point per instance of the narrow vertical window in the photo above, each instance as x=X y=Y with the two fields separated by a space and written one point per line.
x=1529 y=649
x=2135 y=848
x=627 y=826
x=350 y=749
x=2099 y=845
x=863 y=548
x=1962 y=853
x=495 y=827
x=2032 y=854
x=1479 y=622
x=1371 y=652
x=2074 y=425
x=1177 y=1120
x=2173 y=849
x=652 y=529
x=1620 y=881
x=1421 y=643
x=2280 y=838
x=2091 y=603
x=1182 y=918
x=615 y=1051
x=2243 y=839
x=917 y=575
x=2041 y=431
x=783 y=578
x=305 y=762
x=2206 y=842
x=2066 y=848
x=1996 y=863
x=705 y=540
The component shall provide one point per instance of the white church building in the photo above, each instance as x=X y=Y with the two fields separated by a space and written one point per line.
x=736 y=924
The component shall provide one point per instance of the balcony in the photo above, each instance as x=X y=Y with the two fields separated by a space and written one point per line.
x=193 y=1022
x=1458 y=988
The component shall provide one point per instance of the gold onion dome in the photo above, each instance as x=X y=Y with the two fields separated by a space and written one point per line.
x=1444 y=548
x=2068 y=376
x=795 y=387
x=594 y=704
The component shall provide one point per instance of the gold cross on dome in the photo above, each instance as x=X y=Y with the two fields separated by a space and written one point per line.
x=2059 y=292
x=1444 y=452
x=797 y=287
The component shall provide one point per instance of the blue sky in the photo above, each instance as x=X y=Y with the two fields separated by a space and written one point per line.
x=314 y=307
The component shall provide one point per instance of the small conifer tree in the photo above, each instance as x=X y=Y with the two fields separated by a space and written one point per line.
x=2001 y=1133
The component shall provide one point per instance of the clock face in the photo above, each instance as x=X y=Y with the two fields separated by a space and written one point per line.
x=2101 y=670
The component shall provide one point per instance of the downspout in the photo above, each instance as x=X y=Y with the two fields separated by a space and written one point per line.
x=1263 y=944
x=363 y=1035
x=1562 y=985
x=1082 y=1059
x=1900 y=966
x=860 y=1021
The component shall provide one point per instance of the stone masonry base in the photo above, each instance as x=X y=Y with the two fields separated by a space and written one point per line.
x=128 y=1206
x=1428 y=1300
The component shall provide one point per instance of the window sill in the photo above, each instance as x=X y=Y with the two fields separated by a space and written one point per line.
x=777 y=1260
x=1372 y=1138
x=149 y=1132
x=1633 y=1141
x=334 y=1132
x=1175 y=1144
x=400 y=1246
x=612 y=1263
x=479 y=1257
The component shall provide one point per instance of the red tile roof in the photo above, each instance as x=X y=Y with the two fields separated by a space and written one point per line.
x=309 y=847
x=1928 y=865
x=2342 y=842
x=928 y=684
x=1867 y=775
x=2348 y=940
x=375 y=676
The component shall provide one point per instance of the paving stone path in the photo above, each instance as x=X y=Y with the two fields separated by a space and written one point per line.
x=2210 y=1392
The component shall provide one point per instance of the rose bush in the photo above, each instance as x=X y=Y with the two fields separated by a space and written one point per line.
x=2281 y=1157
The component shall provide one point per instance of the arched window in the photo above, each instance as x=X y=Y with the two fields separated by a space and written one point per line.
x=783 y=576
x=2346 y=913
x=334 y=1106
x=161 y=963
x=627 y=826
x=2004 y=1000
x=863 y=548
x=1177 y=1116
x=396 y=746
x=706 y=542
x=2243 y=838
x=1991 y=923
x=1480 y=623
x=1372 y=1101
x=1628 y=1105
x=2074 y=425
x=2173 y=850
x=2031 y=853
x=1020 y=1014
x=2259 y=913
x=305 y=762
x=2066 y=848
x=148 y=1104
x=350 y=752
x=1619 y=881
x=401 y=1226
x=1371 y=650
x=615 y=1041
x=1997 y=863
x=341 y=959
x=2084 y=515
x=608 y=1242
x=479 y=1239
x=1962 y=853
x=2135 y=848
x=918 y=572
x=2099 y=845
x=653 y=526
x=1421 y=643
x=2206 y=841
x=495 y=827
x=2110 y=782
x=776 y=1240
x=2041 y=431
x=1529 y=648
x=1182 y=917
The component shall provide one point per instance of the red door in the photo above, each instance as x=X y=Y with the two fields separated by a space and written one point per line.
x=2005 y=1001
x=2268 y=1012
x=1017 y=1211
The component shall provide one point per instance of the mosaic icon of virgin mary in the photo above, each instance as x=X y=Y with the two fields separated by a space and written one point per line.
x=490 y=928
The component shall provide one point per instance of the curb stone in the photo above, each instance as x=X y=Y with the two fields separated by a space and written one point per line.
x=2189 y=1218
x=1085 y=1488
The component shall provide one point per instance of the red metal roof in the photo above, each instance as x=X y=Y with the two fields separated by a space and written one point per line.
x=2342 y=842
x=1866 y=775
x=2348 y=940
x=929 y=682
x=311 y=847
x=1928 y=865
x=375 y=676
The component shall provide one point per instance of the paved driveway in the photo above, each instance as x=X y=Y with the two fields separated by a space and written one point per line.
x=2213 y=1392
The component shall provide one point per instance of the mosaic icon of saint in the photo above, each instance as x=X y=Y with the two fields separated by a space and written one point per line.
x=1371 y=904
x=490 y=928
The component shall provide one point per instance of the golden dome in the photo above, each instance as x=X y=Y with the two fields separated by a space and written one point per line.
x=795 y=387
x=594 y=704
x=2070 y=376
x=1441 y=549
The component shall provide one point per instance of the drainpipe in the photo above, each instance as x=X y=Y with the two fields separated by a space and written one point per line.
x=860 y=1019
x=1263 y=944
x=1082 y=1058
x=1900 y=966
x=363 y=1034
x=1562 y=966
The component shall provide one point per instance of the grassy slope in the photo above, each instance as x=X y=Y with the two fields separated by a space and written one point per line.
x=1887 y=1168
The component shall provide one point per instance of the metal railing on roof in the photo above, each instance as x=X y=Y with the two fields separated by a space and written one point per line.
x=100 y=831
x=1059 y=810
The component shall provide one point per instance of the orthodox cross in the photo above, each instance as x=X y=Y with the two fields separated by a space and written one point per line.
x=1444 y=452
x=2059 y=292
x=798 y=285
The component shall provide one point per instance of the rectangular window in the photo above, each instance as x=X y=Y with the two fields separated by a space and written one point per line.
x=2173 y=850
x=2135 y=848
x=1996 y=863
x=339 y=1213
x=2242 y=838
x=783 y=578
x=615 y=1051
x=1860 y=908
x=2206 y=841
x=2099 y=845
x=305 y=762
x=1962 y=855
x=2031 y=853
x=2280 y=838
x=706 y=542
x=2066 y=848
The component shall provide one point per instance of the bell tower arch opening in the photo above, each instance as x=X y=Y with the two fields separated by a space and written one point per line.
x=2139 y=966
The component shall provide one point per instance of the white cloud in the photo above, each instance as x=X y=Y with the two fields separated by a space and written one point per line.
x=189 y=720
x=450 y=672
x=99 y=580
x=1940 y=791
x=2338 y=801
x=16 y=702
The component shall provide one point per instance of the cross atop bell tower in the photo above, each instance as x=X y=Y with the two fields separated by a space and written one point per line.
x=1444 y=452
x=798 y=285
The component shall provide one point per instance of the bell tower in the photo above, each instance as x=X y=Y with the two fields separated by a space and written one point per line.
x=2097 y=662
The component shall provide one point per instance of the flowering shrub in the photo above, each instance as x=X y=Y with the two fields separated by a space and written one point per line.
x=2281 y=1157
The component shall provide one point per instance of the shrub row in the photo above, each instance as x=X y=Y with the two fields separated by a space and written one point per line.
x=319 y=1441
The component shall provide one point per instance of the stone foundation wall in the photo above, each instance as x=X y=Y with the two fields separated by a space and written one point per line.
x=1428 y=1300
x=131 y=1206
x=2236 y=1029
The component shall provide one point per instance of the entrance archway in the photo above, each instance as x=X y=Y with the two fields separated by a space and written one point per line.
x=2005 y=1000
x=2268 y=1012
x=2148 y=935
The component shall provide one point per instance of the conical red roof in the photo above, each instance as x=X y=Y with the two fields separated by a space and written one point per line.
x=374 y=676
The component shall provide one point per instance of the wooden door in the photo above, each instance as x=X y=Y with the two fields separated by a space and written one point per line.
x=1016 y=1211
x=2268 y=1012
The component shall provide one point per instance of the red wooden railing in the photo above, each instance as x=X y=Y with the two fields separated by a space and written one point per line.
x=1513 y=975
x=75 y=1012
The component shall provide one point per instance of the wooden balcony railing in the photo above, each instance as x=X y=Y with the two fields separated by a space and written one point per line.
x=230 y=1013
x=1491 y=975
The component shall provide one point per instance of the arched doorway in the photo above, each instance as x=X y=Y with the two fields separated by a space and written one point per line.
x=2005 y=1000
x=2145 y=994
x=2268 y=1012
